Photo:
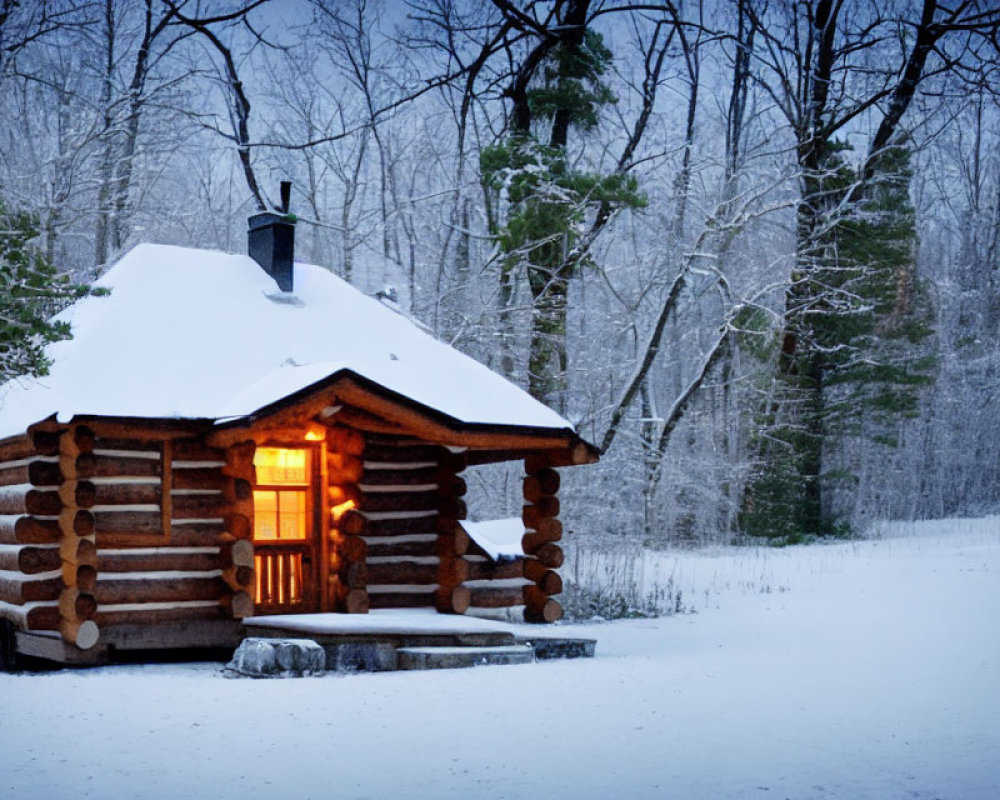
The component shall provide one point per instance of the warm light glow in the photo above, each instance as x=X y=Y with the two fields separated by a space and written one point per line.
x=280 y=500
x=278 y=466
x=315 y=433
x=340 y=509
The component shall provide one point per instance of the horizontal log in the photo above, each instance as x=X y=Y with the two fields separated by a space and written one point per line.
x=399 y=477
x=238 y=553
x=545 y=482
x=32 y=618
x=20 y=590
x=455 y=543
x=351 y=575
x=356 y=602
x=149 y=589
x=84 y=495
x=411 y=549
x=238 y=525
x=77 y=604
x=570 y=455
x=548 y=612
x=352 y=523
x=348 y=548
x=102 y=466
x=548 y=580
x=452 y=571
x=533 y=541
x=202 y=534
x=84 y=523
x=206 y=478
x=403 y=501
x=195 y=450
x=137 y=445
x=452 y=599
x=344 y=440
x=197 y=506
x=549 y=554
x=547 y=507
x=83 y=438
x=535 y=597
x=403 y=454
x=30 y=559
x=239 y=578
x=239 y=489
x=157 y=560
x=496 y=596
x=139 y=522
x=127 y=494
x=402 y=526
x=79 y=576
x=534 y=570
x=83 y=633
x=79 y=550
x=343 y=468
x=402 y=572
x=30 y=501
x=28 y=530
x=46 y=443
x=549 y=526
x=36 y=473
x=16 y=448
x=151 y=613
x=339 y=494
x=495 y=570
x=237 y=604
x=401 y=600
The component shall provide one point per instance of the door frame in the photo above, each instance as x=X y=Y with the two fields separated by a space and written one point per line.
x=315 y=574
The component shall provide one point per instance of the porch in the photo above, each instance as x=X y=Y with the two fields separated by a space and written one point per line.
x=382 y=640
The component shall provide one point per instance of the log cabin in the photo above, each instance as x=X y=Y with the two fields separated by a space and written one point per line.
x=227 y=436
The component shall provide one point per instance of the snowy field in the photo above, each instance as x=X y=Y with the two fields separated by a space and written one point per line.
x=857 y=670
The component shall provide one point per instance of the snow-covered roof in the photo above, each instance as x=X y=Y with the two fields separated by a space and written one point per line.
x=198 y=334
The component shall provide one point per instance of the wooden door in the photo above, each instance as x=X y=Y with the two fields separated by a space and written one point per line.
x=286 y=537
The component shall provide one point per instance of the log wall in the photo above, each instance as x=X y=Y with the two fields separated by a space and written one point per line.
x=101 y=528
x=409 y=494
x=47 y=552
x=172 y=528
x=542 y=555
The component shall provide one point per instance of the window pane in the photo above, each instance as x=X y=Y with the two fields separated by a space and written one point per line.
x=265 y=514
x=277 y=465
x=292 y=515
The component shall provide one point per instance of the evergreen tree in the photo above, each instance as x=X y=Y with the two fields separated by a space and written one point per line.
x=547 y=200
x=865 y=317
x=30 y=294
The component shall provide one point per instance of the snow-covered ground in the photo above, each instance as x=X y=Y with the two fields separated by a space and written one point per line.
x=858 y=670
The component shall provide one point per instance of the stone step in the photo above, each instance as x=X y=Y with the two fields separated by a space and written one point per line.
x=456 y=657
x=551 y=647
x=277 y=658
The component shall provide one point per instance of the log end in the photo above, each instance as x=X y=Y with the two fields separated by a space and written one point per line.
x=356 y=602
x=549 y=611
x=241 y=605
x=83 y=634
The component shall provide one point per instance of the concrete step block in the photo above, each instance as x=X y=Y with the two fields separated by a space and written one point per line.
x=410 y=658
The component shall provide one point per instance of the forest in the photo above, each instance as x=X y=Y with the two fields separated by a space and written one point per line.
x=750 y=248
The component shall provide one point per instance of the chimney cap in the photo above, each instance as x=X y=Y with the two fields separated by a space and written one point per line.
x=265 y=218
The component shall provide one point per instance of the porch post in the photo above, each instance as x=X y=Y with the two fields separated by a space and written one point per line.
x=543 y=529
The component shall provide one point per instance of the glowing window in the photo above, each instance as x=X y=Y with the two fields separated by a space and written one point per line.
x=280 y=499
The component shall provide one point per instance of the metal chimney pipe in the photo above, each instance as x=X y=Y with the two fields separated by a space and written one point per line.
x=271 y=242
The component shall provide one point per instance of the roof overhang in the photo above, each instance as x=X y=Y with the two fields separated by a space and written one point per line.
x=358 y=402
